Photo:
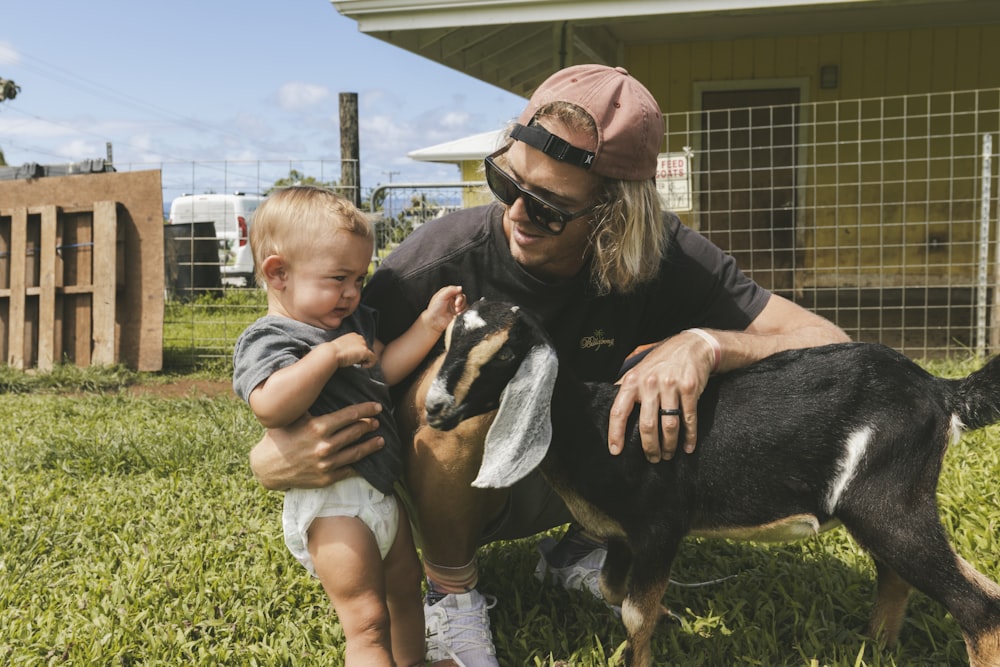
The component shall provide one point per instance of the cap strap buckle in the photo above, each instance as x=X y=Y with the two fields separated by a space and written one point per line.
x=555 y=147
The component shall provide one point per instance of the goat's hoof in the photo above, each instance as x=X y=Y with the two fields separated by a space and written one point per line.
x=671 y=617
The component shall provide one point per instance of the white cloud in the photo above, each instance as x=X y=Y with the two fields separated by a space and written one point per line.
x=80 y=149
x=142 y=142
x=384 y=130
x=8 y=55
x=296 y=95
x=455 y=119
x=253 y=127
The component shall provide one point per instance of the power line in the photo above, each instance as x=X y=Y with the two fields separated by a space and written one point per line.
x=98 y=89
x=102 y=91
x=80 y=130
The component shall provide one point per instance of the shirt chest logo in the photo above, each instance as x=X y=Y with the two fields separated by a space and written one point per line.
x=596 y=341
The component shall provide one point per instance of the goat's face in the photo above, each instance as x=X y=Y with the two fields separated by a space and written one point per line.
x=496 y=358
x=484 y=347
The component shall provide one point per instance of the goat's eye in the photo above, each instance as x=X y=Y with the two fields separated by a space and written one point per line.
x=505 y=354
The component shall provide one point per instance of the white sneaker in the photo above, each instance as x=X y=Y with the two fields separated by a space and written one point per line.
x=583 y=575
x=458 y=628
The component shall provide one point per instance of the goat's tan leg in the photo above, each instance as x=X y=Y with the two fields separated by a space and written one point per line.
x=614 y=575
x=652 y=557
x=983 y=643
x=917 y=548
x=450 y=514
x=641 y=610
x=890 y=605
x=984 y=650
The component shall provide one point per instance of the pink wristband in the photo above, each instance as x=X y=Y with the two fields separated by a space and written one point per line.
x=714 y=342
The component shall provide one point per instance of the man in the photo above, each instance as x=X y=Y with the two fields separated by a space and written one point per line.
x=577 y=238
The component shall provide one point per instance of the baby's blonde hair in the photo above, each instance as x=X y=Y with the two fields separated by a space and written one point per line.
x=291 y=219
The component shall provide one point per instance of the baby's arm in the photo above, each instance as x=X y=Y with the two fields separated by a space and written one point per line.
x=402 y=356
x=287 y=394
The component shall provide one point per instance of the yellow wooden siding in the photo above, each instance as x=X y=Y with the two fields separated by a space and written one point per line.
x=473 y=171
x=880 y=192
x=871 y=64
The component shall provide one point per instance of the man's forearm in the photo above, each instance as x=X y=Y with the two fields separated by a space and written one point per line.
x=782 y=325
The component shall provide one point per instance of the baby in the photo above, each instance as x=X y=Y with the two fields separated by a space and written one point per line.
x=315 y=351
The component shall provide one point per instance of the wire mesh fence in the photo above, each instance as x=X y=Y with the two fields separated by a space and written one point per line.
x=877 y=213
x=206 y=309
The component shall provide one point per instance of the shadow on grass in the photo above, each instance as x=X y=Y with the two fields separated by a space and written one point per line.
x=803 y=603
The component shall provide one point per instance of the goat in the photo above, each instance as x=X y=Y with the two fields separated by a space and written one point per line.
x=850 y=434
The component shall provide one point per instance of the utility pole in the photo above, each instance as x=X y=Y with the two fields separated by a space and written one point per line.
x=350 y=171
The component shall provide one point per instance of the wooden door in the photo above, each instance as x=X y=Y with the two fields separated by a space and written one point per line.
x=747 y=181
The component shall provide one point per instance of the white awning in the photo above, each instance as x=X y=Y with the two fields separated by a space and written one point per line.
x=473 y=147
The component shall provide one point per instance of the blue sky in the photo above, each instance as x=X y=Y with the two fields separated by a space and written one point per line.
x=197 y=80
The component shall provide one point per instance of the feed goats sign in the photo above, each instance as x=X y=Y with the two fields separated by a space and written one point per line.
x=673 y=180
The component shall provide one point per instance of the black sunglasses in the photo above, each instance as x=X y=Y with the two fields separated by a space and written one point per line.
x=548 y=217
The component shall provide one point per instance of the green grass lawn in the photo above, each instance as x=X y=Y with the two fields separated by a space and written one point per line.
x=132 y=533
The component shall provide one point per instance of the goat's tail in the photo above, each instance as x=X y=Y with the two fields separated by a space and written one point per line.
x=976 y=401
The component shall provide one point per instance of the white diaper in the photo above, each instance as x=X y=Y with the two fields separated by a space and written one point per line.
x=353 y=496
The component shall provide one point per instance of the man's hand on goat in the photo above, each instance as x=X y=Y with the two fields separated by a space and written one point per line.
x=666 y=384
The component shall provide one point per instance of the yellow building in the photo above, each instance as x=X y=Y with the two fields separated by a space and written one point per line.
x=843 y=151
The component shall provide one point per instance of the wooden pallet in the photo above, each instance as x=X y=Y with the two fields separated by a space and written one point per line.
x=88 y=287
x=60 y=270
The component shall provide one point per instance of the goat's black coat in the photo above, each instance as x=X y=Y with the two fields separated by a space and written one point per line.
x=772 y=445
x=817 y=397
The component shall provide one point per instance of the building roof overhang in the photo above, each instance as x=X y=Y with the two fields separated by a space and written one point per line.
x=515 y=44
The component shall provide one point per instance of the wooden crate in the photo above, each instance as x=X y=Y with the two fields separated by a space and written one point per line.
x=81 y=271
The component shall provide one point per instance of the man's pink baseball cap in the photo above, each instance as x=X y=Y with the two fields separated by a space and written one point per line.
x=629 y=123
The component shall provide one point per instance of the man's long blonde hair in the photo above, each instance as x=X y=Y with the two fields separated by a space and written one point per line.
x=629 y=237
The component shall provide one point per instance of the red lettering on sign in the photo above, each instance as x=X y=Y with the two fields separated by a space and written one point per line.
x=675 y=167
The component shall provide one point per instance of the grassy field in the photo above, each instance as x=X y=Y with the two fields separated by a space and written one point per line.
x=133 y=534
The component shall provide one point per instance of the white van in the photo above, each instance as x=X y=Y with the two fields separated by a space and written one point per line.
x=233 y=217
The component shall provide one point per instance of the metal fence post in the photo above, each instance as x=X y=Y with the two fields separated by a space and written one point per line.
x=984 y=246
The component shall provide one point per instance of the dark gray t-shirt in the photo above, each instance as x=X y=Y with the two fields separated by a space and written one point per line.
x=697 y=286
x=273 y=342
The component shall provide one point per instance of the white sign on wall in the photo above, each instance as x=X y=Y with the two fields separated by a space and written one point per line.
x=673 y=180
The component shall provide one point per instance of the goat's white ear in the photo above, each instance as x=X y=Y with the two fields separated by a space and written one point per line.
x=522 y=430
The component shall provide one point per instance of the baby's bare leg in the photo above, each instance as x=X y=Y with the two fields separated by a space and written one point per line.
x=349 y=565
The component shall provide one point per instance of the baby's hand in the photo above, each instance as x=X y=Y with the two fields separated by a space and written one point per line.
x=352 y=350
x=446 y=303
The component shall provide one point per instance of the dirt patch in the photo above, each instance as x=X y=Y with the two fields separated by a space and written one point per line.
x=184 y=389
